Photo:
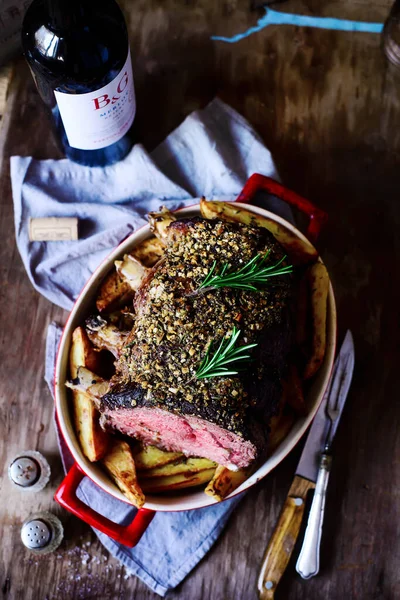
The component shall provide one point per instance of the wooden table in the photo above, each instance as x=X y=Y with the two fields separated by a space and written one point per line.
x=327 y=105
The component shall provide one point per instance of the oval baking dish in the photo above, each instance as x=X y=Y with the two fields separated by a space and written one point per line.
x=191 y=498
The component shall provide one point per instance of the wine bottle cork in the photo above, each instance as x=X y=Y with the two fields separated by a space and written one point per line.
x=53 y=229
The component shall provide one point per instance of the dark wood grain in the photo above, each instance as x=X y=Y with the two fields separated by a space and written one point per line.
x=328 y=106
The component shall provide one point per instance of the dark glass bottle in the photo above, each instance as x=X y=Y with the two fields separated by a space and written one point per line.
x=78 y=53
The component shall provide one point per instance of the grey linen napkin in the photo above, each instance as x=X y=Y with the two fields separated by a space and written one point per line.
x=212 y=153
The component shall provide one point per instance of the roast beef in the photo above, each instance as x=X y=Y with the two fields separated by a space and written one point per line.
x=155 y=395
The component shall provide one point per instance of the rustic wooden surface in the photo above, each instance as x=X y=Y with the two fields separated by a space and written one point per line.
x=328 y=106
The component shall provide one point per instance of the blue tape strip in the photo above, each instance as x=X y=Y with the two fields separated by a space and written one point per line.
x=273 y=17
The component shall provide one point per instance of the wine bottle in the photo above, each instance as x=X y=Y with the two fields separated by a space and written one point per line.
x=78 y=53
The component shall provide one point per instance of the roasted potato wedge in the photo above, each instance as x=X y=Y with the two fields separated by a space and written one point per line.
x=120 y=463
x=185 y=465
x=150 y=457
x=123 y=319
x=118 y=288
x=149 y=252
x=302 y=319
x=299 y=251
x=105 y=336
x=93 y=440
x=82 y=353
x=318 y=279
x=226 y=481
x=293 y=390
x=114 y=292
x=279 y=428
x=160 y=221
x=171 y=483
x=88 y=383
x=131 y=270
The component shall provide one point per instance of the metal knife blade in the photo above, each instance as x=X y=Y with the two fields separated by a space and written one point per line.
x=321 y=431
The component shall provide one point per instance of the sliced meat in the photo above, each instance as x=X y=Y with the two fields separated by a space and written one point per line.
x=187 y=434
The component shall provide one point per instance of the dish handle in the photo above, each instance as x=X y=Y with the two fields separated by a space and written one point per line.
x=128 y=535
x=257 y=182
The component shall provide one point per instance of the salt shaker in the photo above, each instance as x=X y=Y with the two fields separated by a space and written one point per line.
x=30 y=471
x=42 y=533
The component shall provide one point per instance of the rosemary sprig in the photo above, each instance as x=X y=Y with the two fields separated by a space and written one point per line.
x=214 y=366
x=252 y=274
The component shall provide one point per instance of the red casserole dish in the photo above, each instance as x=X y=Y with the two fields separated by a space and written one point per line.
x=190 y=499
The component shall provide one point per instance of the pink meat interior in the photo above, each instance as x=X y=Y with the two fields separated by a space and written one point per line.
x=187 y=434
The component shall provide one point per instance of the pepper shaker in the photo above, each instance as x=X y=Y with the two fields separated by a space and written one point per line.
x=30 y=471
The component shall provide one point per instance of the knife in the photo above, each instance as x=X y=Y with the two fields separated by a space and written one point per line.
x=312 y=473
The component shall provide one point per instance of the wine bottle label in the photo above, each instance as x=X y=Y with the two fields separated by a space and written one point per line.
x=101 y=118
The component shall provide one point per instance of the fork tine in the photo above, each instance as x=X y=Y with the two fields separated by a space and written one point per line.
x=339 y=385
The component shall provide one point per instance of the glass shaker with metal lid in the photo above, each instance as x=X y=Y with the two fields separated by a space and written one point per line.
x=391 y=35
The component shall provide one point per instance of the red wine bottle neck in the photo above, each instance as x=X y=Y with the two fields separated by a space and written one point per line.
x=65 y=14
